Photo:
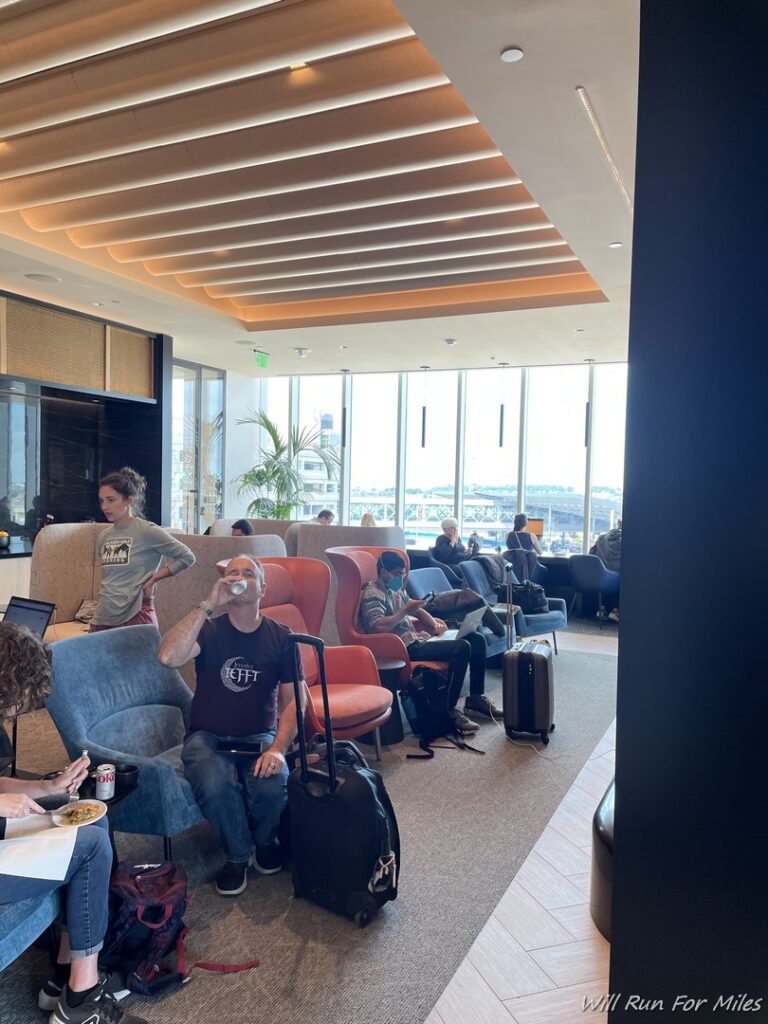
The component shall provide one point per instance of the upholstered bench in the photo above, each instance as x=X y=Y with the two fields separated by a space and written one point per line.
x=22 y=922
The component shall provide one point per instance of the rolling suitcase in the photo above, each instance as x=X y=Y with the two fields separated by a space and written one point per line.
x=345 y=846
x=528 y=689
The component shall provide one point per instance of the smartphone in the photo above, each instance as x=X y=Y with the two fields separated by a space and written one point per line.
x=240 y=748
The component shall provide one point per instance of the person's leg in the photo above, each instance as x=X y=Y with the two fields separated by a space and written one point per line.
x=478 y=702
x=455 y=652
x=219 y=794
x=267 y=798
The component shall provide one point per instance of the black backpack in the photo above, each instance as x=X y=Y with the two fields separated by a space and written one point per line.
x=425 y=702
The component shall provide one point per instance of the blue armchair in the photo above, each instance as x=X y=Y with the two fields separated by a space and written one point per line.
x=556 y=617
x=22 y=922
x=421 y=581
x=590 y=576
x=111 y=696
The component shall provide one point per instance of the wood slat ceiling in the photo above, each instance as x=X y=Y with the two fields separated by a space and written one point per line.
x=293 y=162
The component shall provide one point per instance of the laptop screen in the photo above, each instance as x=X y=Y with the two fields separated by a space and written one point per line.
x=35 y=615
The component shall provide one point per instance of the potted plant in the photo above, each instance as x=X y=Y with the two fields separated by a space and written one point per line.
x=276 y=481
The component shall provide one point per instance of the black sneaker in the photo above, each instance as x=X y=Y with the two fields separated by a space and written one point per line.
x=50 y=993
x=232 y=879
x=463 y=725
x=100 y=1008
x=268 y=859
x=481 y=704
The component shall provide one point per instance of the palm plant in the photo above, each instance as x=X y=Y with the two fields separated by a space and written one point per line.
x=276 y=480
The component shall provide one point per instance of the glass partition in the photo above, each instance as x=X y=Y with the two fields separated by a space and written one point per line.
x=197 y=447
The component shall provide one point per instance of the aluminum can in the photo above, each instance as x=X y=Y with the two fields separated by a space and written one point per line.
x=238 y=586
x=105 y=781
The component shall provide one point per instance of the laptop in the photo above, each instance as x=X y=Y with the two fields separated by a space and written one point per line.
x=469 y=624
x=36 y=615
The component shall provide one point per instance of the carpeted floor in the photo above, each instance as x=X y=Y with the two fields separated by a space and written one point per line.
x=467 y=824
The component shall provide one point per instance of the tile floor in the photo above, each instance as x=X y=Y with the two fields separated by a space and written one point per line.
x=539 y=954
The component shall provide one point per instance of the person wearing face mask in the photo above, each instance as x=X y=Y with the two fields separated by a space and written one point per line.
x=243 y=700
x=386 y=608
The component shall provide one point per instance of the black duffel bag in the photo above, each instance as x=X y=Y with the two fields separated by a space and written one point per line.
x=530 y=597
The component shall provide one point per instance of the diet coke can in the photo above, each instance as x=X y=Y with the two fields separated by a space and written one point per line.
x=105 y=781
x=238 y=586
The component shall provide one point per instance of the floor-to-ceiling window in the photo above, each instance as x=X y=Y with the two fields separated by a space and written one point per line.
x=430 y=453
x=373 y=442
x=320 y=421
x=491 y=441
x=608 y=447
x=556 y=454
x=197 y=447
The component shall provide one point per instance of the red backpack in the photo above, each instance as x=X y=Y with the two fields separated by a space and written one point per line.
x=146 y=923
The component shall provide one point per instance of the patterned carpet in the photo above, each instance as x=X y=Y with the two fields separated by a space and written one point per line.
x=467 y=823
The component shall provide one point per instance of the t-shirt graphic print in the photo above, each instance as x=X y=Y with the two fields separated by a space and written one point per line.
x=238 y=675
x=116 y=551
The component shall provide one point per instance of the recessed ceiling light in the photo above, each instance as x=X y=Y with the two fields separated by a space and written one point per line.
x=97 y=303
x=343 y=346
x=511 y=54
x=43 y=277
x=615 y=245
x=579 y=330
x=450 y=341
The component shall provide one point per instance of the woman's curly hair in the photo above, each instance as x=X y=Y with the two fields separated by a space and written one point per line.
x=25 y=670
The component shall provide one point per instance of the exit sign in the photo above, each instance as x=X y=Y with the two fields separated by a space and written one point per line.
x=262 y=360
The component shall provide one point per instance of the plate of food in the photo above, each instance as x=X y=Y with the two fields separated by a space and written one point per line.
x=84 y=812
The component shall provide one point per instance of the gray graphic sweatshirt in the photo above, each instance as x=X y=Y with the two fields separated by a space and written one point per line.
x=129 y=555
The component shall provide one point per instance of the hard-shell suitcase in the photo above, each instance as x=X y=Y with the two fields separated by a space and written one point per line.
x=528 y=689
x=345 y=845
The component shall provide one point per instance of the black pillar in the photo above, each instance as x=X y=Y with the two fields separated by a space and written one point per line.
x=691 y=875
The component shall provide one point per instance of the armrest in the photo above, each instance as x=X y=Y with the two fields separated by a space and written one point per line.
x=558 y=604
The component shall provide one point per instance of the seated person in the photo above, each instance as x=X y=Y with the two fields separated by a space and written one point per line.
x=244 y=664
x=325 y=517
x=386 y=608
x=448 y=546
x=74 y=991
x=607 y=547
x=242 y=528
x=519 y=537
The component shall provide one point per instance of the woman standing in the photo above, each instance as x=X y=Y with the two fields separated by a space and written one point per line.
x=130 y=552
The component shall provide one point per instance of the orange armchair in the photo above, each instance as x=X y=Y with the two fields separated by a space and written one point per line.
x=354 y=568
x=295 y=595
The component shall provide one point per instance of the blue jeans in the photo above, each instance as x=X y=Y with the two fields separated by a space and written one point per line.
x=227 y=793
x=86 y=885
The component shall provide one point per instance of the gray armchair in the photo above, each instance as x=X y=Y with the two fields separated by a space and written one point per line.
x=111 y=696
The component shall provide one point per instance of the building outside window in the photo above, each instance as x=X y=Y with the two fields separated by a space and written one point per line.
x=320 y=413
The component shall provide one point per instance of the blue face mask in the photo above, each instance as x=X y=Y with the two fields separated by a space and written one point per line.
x=396 y=583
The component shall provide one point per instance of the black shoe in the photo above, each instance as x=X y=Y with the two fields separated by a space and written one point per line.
x=268 y=859
x=463 y=725
x=100 y=1008
x=50 y=993
x=232 y=879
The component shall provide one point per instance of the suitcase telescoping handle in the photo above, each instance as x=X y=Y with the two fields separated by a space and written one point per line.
x=319 y=646
x=510 y=627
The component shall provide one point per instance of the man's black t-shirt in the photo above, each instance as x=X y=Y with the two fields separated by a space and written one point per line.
x=237 y=677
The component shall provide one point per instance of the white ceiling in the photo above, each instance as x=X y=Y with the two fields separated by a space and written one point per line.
x=531 y=112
